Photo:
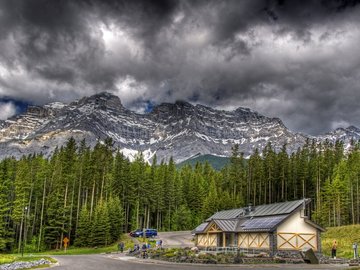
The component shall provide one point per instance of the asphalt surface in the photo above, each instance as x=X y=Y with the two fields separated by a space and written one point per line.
x=176 y=239
x=117 y=261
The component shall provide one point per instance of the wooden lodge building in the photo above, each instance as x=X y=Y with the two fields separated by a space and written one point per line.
x=270 y=228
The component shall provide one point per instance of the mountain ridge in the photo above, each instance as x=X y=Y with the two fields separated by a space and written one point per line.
x=179 y=130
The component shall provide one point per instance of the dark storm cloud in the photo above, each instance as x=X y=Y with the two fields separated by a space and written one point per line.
x=297 y=60
x=55 y=38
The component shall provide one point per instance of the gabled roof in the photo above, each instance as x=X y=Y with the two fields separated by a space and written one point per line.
x=245 y=224
x=261 y=218
x=278 y=208
x=200 y=228
x=226 y=225
x=227 y=214
x=260 y=210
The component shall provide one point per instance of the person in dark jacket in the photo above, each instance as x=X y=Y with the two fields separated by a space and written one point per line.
x=143 y=250
x=121 y=247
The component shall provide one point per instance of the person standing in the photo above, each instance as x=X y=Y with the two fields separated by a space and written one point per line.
x=333 y=249
x=121 y=247
x=143 y=250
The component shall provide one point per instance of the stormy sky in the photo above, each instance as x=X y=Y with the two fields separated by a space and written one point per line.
x=297 y=60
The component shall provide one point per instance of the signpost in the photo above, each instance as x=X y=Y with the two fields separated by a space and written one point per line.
x=66 y=241
x=355 y=248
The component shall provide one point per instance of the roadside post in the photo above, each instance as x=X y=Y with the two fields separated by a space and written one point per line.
x=355 y=248
x=66 y=241
x=24 y=231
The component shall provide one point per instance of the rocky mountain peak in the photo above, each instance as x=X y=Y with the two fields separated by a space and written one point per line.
x=347 y=130
x=183 y=104
x=177 y=110
x=103 y=101
x=353 y=129
x=346 y=135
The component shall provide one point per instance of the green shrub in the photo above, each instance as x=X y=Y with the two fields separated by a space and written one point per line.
x=169 y=255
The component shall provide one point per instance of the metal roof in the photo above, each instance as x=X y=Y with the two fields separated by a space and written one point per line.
x=260 y=210
x=226 y=225
x=262 y=217
x=277 y=208
x=200 y=228
x=227 y=214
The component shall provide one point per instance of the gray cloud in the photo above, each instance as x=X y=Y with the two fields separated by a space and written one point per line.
x=7 y=109
x=297 y=60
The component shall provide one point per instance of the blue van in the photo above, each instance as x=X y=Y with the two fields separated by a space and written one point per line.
x=148 y=233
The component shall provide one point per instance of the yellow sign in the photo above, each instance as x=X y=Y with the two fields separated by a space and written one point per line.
x=66 y=241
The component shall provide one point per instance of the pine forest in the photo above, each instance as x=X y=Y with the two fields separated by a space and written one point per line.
x=93 y=195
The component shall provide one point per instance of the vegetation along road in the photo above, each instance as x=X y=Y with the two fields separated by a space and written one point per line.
x=115 y=261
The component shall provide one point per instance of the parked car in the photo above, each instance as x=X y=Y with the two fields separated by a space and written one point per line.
x=136 y=233
x=148 y=233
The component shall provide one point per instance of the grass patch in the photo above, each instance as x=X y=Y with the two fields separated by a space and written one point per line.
x=82 y=250
x=10 y=258
x=345 y=237
x=7 y=258
x=93 y=250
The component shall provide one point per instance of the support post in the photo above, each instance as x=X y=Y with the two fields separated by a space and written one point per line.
x=273 y=243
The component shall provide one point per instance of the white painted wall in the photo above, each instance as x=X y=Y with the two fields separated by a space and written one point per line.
x=296 y=224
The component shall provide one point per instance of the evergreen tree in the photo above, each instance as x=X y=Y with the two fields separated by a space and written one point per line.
x=211 y=203
x=83 y=229
x=269 y=173
x=54 y=228
x=181 y=219
x=116 y=218
x=283 y=173
x=6 y=176
x=21 y=198
x=237 y=176
x=256 y=178
x=100 y=226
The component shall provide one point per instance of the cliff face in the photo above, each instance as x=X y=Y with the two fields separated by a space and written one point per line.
x=180 y=130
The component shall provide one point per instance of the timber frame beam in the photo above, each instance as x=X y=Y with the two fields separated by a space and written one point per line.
x=297 y=240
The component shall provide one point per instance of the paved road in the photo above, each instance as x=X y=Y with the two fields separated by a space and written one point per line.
x=176 y=239
x=114 y=261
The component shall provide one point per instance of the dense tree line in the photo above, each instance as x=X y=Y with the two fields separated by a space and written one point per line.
x=93 y=195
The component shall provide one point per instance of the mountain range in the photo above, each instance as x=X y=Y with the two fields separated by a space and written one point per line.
x=180 y=130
